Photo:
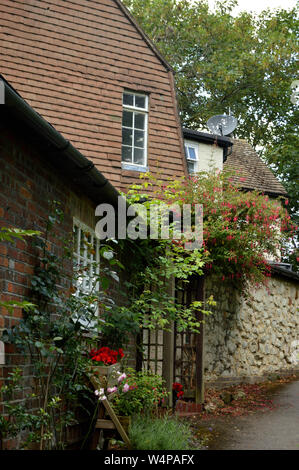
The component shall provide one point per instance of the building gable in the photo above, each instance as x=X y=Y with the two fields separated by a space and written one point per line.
x=72 y=60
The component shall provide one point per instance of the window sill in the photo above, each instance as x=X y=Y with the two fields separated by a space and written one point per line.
x=131 y=167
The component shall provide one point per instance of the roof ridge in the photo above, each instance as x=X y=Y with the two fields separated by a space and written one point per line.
x=144 y=35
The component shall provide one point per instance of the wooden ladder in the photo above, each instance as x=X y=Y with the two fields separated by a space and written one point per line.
x=106 y=420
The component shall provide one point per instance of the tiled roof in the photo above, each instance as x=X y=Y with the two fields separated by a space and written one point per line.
x=71 y=60
x=256 y=173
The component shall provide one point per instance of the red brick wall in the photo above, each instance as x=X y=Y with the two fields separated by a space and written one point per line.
x=72 y=60
x=27 y=183
x=26 y=186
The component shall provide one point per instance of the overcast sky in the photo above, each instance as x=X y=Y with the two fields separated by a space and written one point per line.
x=259 y=5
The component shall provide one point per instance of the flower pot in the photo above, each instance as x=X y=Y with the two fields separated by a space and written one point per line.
x=106 y=375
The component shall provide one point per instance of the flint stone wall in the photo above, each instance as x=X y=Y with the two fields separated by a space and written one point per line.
x=252 y=337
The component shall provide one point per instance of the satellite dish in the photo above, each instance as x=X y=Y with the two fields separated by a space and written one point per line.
x=222 y=124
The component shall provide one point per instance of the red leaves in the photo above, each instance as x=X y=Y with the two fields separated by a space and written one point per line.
x=247 y=398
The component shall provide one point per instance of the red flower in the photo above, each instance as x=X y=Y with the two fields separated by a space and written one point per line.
x=178 y=388
x=106 y=355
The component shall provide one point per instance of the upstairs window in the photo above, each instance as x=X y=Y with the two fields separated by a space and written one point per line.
x=191 y=150
x=134 y=129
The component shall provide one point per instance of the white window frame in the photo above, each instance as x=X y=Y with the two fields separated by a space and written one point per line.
x=86 y=259
x=131 y=165
x=193 y=145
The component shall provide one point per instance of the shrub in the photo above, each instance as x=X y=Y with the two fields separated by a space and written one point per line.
x=138 y=392
x=167 y=433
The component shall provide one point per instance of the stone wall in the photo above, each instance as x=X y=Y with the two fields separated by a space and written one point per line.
x=246 y=338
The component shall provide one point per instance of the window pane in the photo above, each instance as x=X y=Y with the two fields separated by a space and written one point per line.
x=127 y=136
x=191 y=153
x=82 y=244
x=139 y=101
x=138 y=156
x=76 y=235
x=139 y=139
x=139 y=121
x=127 y=154
x=191 y=167
x=128 y=119
x=128 y=99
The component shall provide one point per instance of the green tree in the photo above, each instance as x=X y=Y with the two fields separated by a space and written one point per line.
x=244 y=63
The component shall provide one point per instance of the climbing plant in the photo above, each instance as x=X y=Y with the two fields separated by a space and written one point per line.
x=8 y=234
x=242 y=231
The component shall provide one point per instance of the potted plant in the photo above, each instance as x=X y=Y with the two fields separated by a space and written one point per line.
x=105 y=363
x=135 y=393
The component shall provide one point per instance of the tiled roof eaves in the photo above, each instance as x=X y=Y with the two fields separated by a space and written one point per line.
x=266 y=192
x=222 y=141
x=280 y=271
x=256 y=173
x=64 y=154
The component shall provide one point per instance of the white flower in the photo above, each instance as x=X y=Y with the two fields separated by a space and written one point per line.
x=100 y=393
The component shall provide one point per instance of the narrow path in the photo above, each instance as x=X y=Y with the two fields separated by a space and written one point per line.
x=276 y=429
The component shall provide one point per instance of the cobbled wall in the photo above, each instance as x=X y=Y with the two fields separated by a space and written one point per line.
x=246 y=338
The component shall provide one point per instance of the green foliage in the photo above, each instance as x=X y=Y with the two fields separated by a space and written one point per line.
x=145 y=392
x=153 y=265
x=9 y=235
x=167 y=433
x=284 y=159
x=19 y=418
x=118 y=324
x=240 y=230
x=150 y=298
x=245 y=63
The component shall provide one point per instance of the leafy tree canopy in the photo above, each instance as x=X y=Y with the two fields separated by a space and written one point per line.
x=245 y=63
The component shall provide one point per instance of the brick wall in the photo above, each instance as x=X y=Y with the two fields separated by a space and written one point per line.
x=27 y=183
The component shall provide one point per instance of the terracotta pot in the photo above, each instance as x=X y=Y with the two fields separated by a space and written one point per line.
x=106 y=375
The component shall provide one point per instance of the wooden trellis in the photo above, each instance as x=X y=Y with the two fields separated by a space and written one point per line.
x=188 y=347
x=152 y=350
x=187 y=360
